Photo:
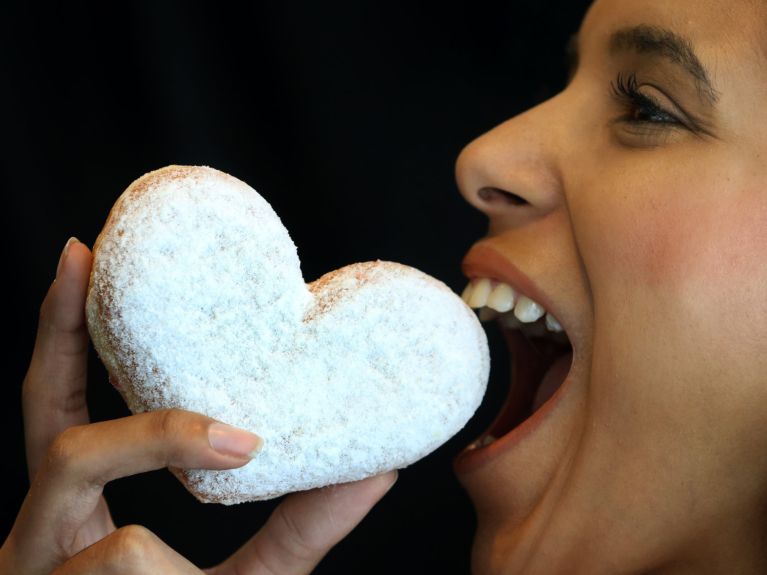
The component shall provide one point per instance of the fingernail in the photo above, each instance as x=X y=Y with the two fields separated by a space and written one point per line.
x=64 y=253
x=230 y=440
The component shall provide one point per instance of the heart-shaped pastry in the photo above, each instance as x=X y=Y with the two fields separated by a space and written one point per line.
x=196 y=301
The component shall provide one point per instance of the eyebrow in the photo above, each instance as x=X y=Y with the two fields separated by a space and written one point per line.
x=645 y=39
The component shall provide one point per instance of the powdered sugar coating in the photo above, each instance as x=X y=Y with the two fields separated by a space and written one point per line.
x=197 y=302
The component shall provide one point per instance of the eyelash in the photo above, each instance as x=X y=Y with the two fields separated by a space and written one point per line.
x=641 y=109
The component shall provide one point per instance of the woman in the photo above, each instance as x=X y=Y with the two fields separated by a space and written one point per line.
x=633 y=204
x=631 y=208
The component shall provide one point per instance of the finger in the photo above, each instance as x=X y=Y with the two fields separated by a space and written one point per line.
x=84 y=458
x=53 y=397
x=53 y=393
x=305 y=527
x=130 y=550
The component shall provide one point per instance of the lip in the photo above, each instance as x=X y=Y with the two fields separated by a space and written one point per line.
x=484 y=261
x=469 y=460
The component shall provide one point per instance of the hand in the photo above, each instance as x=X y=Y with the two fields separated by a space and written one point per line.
x=64 y=525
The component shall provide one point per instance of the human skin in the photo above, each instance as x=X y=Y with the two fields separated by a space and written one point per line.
x=64 y=525
x=649 y=235
x=650 y=239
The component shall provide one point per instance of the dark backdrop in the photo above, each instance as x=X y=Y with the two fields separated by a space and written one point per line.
x=348 y=120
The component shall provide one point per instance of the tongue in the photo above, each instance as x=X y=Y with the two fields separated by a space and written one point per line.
x=553 y=379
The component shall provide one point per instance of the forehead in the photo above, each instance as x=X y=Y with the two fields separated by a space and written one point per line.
x=715 y=27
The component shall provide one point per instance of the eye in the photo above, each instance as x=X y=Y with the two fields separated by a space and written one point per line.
x=642 y=108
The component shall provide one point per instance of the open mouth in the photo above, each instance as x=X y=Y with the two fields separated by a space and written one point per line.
x=541 y=353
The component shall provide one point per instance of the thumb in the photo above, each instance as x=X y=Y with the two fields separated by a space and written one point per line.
x=305 y=526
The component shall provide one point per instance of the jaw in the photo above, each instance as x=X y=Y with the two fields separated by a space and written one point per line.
x=556 y=502
x=518 y=490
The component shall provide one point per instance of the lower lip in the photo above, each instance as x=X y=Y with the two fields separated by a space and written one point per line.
x=470 y=459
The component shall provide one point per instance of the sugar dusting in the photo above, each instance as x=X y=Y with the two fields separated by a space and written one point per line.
x=197 y=302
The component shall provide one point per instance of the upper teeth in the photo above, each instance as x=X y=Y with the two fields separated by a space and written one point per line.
x=490 y=297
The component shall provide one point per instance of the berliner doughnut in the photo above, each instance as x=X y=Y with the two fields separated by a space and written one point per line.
x=196 y=301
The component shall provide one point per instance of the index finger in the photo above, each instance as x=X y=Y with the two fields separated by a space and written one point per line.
x=68 y=486
x=53 y=393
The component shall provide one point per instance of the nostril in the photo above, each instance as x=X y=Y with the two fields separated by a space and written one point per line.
x=494 y=195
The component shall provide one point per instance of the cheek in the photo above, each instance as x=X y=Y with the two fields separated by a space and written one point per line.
x=679 y=285
x=679 y=243
x=679 y=275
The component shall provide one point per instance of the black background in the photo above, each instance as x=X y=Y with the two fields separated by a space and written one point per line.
x=346 y=118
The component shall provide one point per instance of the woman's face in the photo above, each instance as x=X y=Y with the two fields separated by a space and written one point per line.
x=633 y=206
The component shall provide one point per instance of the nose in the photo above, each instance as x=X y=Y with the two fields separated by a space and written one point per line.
x=512 y=173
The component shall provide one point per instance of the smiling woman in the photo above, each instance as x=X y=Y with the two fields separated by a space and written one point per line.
x=623 y=264
x=640 y=226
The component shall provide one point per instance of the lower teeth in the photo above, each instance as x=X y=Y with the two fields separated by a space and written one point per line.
x=483 y=442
